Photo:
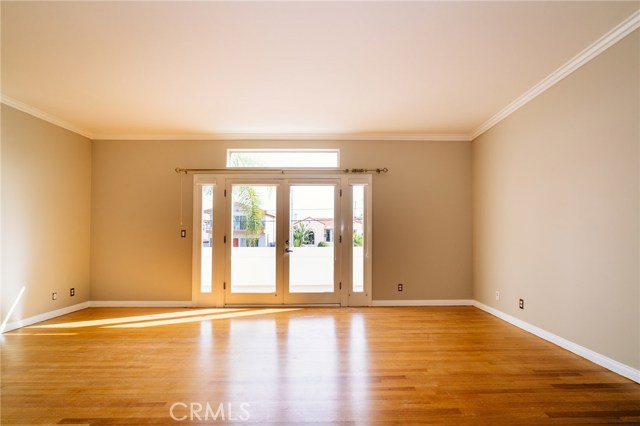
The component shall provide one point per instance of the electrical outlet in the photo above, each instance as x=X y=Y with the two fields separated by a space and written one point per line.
x=521 y=303
x=54 y=296
x=72 y=291
x=183 y=233
x=497 y=295
x=400 y=287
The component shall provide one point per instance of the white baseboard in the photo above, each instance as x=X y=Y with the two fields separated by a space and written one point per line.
x=604 y=361
x=452 y=302
x=45 y=316
x=140 y=304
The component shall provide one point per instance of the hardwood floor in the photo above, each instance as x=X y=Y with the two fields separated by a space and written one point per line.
x=369 y=366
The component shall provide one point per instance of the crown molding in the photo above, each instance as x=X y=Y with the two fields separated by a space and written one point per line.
x=603 y=43
x=427 y=137
x=38 y=113
x=418 y=137
x=623 y=29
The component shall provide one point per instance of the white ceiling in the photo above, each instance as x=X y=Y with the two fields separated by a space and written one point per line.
x=413 y=70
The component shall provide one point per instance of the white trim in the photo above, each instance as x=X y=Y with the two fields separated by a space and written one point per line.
x=604 y=361
x=419 y=137
x=281 y=306
x=450 y=302
x=214 y=297
x=38 y=113
x=603 y=43
x=425 y=137
x=140 y=304
x=350 y=297
x=45 y=316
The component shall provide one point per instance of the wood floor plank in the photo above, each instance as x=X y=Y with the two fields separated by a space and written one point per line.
x=325 y=366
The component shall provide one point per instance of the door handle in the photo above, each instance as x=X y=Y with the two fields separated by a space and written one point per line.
x=288 y=250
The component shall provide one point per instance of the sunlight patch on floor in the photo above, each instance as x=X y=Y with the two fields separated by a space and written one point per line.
x=242 y=313
x=39 y=334
x=154 y=320
x=137 y=318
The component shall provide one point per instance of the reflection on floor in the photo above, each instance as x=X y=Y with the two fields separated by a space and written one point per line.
x=294 y=366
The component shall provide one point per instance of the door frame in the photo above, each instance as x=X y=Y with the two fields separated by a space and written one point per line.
x=344 y=225
x=215 y=297
x=352 y=298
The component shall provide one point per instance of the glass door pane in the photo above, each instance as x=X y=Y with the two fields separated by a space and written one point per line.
x=358 y=238
x=253 y=239
x=311 y=243
x=206 y=238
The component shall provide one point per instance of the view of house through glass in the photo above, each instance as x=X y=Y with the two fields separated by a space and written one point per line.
x=253 y=243
x=283 y=158
x=311 y=238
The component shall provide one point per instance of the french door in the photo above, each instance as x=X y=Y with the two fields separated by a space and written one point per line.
x=260 y=240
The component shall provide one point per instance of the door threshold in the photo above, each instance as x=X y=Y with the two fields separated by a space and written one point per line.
x=297 y=305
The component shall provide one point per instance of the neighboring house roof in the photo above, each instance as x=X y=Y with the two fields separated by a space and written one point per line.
x=326 y=222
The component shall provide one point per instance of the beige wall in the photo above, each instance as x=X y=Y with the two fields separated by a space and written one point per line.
x=556 y=216
x=46 y=199
x=422 y=216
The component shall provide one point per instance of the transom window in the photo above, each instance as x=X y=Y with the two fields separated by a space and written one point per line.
x=283 y=158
